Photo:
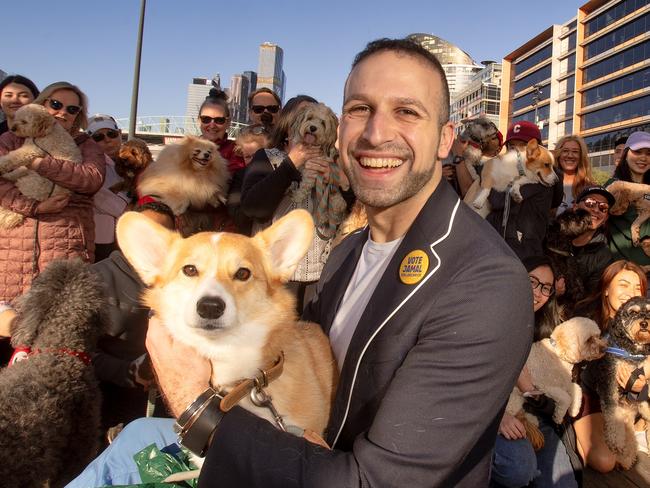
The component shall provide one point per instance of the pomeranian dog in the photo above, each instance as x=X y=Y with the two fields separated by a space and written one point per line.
x=191 y=173
x=516 y=169
x=134 y=157
x=223 y=294
x=43 y=137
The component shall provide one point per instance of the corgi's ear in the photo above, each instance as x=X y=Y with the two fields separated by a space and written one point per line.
x=532 y=149
x=287 y=241
x=144 y=243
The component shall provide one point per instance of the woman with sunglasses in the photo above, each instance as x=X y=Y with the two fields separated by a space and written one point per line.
x=62 y=226
x=15 y=91
x=214 y=121
x=620 y=281
x=516 y=463
x=571 y=157
x=633 y=167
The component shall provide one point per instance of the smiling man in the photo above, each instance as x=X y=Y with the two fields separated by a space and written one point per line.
x=428 y=312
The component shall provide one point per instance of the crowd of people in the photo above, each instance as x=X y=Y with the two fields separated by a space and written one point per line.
x=581 y=260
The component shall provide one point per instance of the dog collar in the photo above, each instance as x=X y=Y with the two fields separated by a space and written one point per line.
x=520 y=165
x=614 y=350
x=22 y=353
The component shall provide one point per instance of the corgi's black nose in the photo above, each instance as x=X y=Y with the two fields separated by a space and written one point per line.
x=210 y=307
x=313 y=128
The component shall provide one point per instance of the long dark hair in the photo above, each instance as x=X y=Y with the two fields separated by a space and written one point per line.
x=551 y=314
x=281 y=128
x=622 y=171
x=216 y=97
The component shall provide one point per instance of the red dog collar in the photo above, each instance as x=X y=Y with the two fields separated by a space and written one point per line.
x=22 y=353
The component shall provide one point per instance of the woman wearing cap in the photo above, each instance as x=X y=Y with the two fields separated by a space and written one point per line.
x=108 y=206
x=571 y=157
x=60 y=227
x=214 y=120
x=633 y=167
x=15 y=91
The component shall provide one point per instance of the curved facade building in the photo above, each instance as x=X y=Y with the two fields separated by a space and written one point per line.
x=458 y=65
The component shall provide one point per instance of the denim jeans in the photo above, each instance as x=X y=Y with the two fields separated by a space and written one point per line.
x=517 y=465
x=115 y=466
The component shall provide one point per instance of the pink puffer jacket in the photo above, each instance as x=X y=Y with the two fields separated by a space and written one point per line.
x=27 y=249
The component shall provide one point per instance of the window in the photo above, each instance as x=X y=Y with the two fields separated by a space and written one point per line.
x=617 y=87
x=621 y=60
x=527 y=99
x=541 y=55
x=534 y=77
x=628 y=31
x=605 y=141
x=613 y=14
x=617 y=113
x=542 y=114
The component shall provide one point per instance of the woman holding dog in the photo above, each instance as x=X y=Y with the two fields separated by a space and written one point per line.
x=62 y=226
x=571 y=156
x=620 y=281
x=633 y=167
x=516 y=464
x=15 y=91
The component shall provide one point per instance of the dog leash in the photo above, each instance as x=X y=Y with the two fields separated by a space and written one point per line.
x=506 y=207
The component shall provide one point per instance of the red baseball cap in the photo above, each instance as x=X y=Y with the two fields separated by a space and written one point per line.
x=524 y=131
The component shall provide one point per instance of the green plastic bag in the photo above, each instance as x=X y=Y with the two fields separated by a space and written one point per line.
x=155 y=466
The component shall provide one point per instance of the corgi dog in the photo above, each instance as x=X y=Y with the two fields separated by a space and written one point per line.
x=189 y=173
x=516 y=169
x=223 y=295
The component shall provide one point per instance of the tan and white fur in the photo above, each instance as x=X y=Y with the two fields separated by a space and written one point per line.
x=191 y=173
x=43 y=137
x=223 y=294
x=500 y=172
x=551 y=362
x=627 y=193
x=315 y=124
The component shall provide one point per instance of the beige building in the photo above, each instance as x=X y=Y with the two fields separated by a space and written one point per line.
x=589 y=75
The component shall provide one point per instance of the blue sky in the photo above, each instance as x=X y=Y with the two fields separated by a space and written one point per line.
x=92 y=43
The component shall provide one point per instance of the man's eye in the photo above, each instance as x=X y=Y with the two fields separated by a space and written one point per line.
x=408 y=112
x=358 y=109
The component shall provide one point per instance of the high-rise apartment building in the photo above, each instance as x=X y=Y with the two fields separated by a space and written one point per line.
x=269 y=72
x=480 y=98
x=589 y=76
x=459 y=66
x=196 y=93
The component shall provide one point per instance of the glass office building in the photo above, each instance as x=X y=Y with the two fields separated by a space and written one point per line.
x=480 y=98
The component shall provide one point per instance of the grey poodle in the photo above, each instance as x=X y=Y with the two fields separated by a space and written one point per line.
x=50 y=401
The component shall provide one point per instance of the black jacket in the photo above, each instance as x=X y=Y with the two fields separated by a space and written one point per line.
x=591 y=259
x=426 y=377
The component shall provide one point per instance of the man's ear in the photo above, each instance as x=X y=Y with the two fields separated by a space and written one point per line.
x=144 y=243
x=446 y=140
x=287 y=241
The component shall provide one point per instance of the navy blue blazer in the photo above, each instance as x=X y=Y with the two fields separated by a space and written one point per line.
x=426 y=376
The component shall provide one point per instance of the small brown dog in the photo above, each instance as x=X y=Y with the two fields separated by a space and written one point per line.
x=133 y=159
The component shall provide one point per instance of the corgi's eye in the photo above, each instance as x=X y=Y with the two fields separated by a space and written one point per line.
x=243 y=274
x=190 y=270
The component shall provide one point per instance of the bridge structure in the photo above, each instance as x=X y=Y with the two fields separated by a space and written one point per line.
x=163 y=129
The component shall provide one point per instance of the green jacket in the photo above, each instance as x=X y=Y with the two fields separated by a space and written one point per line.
x=620 y=239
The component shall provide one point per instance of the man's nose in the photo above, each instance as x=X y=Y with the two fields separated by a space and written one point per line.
x=379 y=129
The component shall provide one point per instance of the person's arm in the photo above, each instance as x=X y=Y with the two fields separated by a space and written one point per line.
x=12 y=199
x=463 y=177
x=445 y=399
x=85 y=177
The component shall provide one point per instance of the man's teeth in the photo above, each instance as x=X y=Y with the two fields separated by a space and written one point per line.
x=380 y=162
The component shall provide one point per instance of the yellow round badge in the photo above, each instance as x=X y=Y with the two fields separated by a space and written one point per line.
x=413 y=267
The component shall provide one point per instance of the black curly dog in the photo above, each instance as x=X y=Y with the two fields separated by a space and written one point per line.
x=629 y=343
x=50 y=402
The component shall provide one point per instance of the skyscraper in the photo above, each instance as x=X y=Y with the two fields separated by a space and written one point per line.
x=252 y=80
x=239 y=90
x=196 y=93
x=269 y=72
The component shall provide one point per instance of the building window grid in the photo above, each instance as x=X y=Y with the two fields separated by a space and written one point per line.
x=606 y=140
x=631 y=109
x=533 y=78
x=542 y=114
x=620 y=86
x=617 y=62
x=612 y=14
x=534 y=59
x=624 y=33
x=527 y=99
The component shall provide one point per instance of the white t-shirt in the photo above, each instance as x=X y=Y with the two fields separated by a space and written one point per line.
x=371 y=266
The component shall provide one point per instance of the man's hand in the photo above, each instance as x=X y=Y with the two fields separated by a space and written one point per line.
x=300 y=153
x=623 y=373
x=511 y=428
x=449 y=172
x=181 y=372
x=53 y=204
x=316 y=166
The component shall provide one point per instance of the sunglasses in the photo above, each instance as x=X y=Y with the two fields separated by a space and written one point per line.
x=547 y=290
x=217 y=120
x=593 y=204
x=272 y=109
x=110 y=134
x=56 y=105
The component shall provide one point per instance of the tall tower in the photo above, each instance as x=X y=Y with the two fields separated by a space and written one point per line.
x=196 y=93
x=239 y=90
x=269 y=72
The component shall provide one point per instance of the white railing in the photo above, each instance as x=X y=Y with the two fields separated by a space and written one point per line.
x=170 y=125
